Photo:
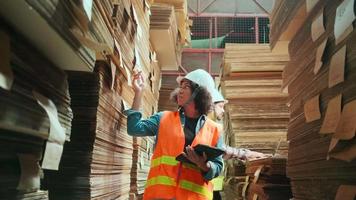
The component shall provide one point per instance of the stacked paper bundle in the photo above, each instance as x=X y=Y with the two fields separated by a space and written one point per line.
x=320 y=79
x=35 y=116
x=268 y=179
x=164 y=36
x=251 y=81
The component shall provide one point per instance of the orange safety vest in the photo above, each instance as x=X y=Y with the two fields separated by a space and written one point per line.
x=170 y=179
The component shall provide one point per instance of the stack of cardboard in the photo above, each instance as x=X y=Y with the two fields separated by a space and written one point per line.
x=35 y=116
x=284 y=24
x=268 y=179
x=143 y=150
x=97 y=162
x=181 y=13
x=251 y=81
x=116 y=36
x=59 y=20
x=164 y=36
x=320 y=79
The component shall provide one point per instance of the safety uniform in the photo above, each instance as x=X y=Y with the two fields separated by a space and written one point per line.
x=169 y=178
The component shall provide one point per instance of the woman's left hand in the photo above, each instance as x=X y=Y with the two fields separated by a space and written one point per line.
x=200 y=161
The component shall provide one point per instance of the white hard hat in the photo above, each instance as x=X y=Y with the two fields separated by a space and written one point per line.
x=200 y=77
x=217 y=96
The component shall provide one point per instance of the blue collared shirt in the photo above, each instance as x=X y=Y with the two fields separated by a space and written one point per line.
x=136 y=126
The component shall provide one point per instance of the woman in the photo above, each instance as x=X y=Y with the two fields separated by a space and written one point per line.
x=178 y=132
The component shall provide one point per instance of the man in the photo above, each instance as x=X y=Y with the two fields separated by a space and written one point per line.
x=178 y=132
x=230 y=152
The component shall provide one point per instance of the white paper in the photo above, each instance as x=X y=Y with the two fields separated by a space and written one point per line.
x=147 y=8
x=139 y=28
x=344 y=17
x=154 y=57
x=117 y=46
x=125 y=104
x=6 y=75
x=57 y=132
x=142 y=160
x=52 y=156
x=134 y=14
x=56 y=138
x=88 y=5
x=128 y=75
x=113 y=74
x=30 y=172
x=317 y=27
x=319 y=54
x=139 y=32
x=138 y=64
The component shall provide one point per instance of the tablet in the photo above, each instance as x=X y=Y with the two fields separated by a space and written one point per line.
x=211 y=152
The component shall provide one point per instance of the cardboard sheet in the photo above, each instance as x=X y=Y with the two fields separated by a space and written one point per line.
x=319 y=54
x=118 y=49
x=128 y=75
x=332 y=115
x=346 y=192
x=312 y=109
x=317 y=27
x=337 y=67
x=52 y=155
x=113 y=74
x=310 y=4
x=347 y=124
x=348 y=154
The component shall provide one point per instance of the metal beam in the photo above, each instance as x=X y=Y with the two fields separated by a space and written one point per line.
x=183 y=69
x=191 y=50
x=257 y=31
x=206 y=7
x=198 y=7
x=242 y=15
x=192 y=9
x=261 y=7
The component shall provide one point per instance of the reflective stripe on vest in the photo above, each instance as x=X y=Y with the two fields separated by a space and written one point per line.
x=218 y=183
x=187 y=185
x=167 y=160
x=168 y=178
x=161 y=180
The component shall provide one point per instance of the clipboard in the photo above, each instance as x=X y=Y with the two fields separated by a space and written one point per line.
x=211 y=153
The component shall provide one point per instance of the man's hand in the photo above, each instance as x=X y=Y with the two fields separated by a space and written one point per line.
x=200 y=161
x=252 y=155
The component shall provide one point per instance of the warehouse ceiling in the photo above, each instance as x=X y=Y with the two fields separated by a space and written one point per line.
x=229 y=7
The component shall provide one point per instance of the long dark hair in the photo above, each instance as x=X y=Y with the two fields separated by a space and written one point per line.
x=202 y=101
